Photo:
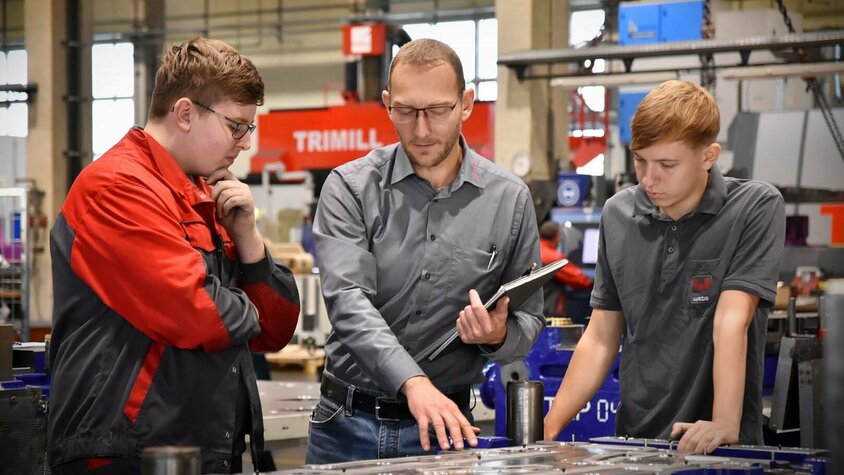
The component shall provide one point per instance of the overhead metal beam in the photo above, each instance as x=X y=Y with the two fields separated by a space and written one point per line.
x=783 y=70
x=521 y=60
x=648 y=77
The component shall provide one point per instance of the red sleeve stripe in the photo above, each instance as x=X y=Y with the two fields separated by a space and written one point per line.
x=144 y=380
x=276 y=315
x=94 y=463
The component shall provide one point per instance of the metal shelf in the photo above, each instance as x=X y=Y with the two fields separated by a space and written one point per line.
x=521 y=60
x=15 y=268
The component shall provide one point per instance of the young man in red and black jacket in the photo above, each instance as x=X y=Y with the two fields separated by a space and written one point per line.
x=162 y=282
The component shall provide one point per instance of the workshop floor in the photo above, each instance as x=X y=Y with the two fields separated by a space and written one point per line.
x=292 y=453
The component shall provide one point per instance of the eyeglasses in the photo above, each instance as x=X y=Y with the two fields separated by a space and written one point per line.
x=407 y=115
x=239 y=129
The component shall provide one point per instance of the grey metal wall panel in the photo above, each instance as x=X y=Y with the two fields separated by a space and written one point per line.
x=823 y=166
x=741 y=140
x=778 y=147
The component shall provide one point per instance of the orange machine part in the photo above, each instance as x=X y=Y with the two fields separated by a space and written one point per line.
x=836 y=212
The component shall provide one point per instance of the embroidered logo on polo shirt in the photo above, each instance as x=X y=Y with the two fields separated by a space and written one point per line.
x=701 y=286
x=701 y=283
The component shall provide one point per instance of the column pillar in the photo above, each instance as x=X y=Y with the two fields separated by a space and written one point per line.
x=530 y=116
x=57 y=35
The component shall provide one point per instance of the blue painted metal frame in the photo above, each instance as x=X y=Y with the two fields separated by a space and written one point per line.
x=548 y=364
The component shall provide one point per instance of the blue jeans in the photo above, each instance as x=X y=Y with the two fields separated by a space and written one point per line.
x=336 y=435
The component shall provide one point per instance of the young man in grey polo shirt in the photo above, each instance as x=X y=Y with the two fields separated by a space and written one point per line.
x=687 y=269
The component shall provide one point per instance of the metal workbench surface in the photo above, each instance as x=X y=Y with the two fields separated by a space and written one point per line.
x=287 y=408
x=608 y=455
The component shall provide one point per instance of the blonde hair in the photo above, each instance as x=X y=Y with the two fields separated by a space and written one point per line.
x=428 y=53
x=207 y=71
x=676 y=111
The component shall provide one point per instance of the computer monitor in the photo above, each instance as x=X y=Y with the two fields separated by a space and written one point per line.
x=589 y=255
x=579 y=235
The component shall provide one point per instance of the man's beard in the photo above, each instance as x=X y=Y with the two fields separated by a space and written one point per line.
x=449 y=144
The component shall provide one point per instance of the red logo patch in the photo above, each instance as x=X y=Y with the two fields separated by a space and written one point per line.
x=701 y=283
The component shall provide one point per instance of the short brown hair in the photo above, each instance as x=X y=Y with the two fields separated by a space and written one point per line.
x=676 y=111
x=428 y=53
x=549 y=230
x=207 y=71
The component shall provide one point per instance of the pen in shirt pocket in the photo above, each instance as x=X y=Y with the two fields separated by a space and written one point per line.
x=493 y=250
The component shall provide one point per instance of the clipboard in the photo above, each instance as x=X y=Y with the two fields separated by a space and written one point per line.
x=519 y=290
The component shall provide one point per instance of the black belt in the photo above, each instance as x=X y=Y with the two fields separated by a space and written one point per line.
x=382 y=406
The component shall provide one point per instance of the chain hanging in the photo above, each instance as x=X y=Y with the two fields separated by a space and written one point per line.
x=707 y=61
x=813 y=84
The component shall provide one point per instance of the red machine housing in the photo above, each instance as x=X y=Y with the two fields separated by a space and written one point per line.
x=314 y=139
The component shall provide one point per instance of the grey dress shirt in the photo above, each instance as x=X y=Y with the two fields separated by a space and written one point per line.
x=398 y=258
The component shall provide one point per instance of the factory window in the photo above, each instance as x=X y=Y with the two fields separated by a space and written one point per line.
x=113 y=90
x=13 y=107
x=583 y=27
x=475 y=42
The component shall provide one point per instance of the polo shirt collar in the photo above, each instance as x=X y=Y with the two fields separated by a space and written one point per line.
x=468 y=172
x=715 y=194
x=714 y=197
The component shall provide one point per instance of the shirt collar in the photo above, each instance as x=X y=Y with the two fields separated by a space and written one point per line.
x=169 y=169
x=402 y=167
x=469 y=170
x=714 y=197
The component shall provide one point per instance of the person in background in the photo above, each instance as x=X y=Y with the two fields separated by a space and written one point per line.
x=162 y=284
x=570 y=275
x=687 y=268
x=410 y=239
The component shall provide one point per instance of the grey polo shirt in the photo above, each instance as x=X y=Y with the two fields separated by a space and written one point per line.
x=398 y=258
x=665 y=276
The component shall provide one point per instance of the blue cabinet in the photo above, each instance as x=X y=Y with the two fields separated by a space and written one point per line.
x=627 y=104
x=640 y=23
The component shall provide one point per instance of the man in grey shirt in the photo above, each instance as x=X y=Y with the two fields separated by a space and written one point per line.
x=687 y=268
x=411 y=239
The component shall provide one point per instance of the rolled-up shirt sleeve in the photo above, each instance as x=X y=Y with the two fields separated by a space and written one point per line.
x=349 y=284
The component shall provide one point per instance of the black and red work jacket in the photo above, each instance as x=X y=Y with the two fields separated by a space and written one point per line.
x=154 y=317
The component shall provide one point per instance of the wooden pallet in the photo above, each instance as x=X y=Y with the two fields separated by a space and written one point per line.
x=310 y=360
x=10 y=294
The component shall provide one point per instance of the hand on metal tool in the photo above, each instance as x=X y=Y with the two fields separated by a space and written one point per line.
x=476 y=325
x=551 y=426
x=703 y=437
x=431 y=408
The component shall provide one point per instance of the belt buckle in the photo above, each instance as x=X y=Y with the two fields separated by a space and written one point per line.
x=378 y=406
